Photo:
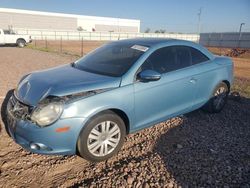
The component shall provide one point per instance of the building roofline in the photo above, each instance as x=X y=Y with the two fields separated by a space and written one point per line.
x=41 y=13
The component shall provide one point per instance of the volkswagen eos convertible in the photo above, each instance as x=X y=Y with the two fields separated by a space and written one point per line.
x=89 y=106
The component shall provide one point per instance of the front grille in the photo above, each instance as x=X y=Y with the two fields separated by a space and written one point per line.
x=18 y=109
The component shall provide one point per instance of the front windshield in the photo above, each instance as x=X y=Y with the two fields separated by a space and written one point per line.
x=113 y=59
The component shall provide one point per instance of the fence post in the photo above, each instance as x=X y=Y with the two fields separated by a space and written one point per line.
x=46 y=43
x=221 y=37
x=61 y=45
x=55 y=35
x=240 y=34
x=82 y=47
x=209 y=38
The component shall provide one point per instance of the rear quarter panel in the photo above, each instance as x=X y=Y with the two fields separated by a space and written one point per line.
x=211 y=73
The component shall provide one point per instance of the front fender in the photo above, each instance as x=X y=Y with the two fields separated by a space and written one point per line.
x=121 y=98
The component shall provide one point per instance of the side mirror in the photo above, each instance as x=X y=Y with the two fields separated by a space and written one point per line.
x=148 y=76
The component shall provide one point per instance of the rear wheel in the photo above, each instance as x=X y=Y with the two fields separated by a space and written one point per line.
x=218 y=100
x=21 y=43
x=102 y=137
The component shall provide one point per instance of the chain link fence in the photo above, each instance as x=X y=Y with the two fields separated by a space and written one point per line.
x=225 y=40
x=72 y=47
x=80 y=43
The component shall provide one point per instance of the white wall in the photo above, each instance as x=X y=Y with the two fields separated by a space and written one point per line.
x=34 y=20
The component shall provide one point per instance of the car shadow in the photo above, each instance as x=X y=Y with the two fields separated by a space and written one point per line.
x=210 y=150
x=8 y=45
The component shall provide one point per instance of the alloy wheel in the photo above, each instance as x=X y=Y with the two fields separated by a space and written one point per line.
x=220 y=97
x=103 y=138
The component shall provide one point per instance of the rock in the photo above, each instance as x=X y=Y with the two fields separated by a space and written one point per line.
x=98 y=170
x=179 y=146
x=126 y=169
x=203 y=178
x=170 y=184
x=130 y=180
x=138 y=184
x=146 y=185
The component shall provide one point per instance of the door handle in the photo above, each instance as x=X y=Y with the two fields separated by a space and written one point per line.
x=192 y=80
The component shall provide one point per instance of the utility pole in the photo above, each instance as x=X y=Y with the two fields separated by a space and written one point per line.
x=199 y=20
x=240 y=33
x=241 y=27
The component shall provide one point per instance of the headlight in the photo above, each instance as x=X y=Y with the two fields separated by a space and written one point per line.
x=25 y=76
x=46 y=114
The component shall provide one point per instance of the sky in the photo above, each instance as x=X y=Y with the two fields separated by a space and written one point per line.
x=169 y=15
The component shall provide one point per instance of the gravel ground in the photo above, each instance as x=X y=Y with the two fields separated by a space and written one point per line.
x=195 y=150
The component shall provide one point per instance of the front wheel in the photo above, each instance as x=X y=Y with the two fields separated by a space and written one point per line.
x=102 y=137
x=218 y=100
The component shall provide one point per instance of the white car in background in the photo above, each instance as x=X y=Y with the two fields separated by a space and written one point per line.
x=10 y=37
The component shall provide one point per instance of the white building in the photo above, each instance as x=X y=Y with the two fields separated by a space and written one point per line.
x=26 y=19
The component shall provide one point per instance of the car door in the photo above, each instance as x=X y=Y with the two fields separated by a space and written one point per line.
x=173 y=94
x=1 y=37
x=206 y=76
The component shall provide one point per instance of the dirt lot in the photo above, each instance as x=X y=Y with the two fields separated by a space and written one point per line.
x=241 y=63
x=198 y=149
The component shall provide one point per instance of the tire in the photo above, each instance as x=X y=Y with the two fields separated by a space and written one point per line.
x=218 y=100
x=21 y=43
x=96 y=145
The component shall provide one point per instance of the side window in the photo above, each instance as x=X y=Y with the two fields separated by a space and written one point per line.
x=183 y=57
x=162 y=60
x=173 y=58
x=197 y=56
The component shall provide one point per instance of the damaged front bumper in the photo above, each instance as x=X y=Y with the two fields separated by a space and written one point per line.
x=44 y=140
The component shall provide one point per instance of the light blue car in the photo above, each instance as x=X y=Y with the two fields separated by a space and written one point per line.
x=89 y=106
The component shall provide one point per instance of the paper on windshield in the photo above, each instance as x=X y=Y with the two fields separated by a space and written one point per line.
x=140 y=48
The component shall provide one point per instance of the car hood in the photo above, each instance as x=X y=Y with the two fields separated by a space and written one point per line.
x=61 y=81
